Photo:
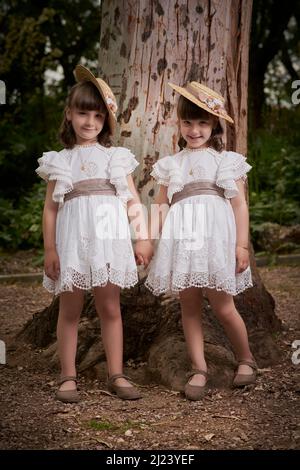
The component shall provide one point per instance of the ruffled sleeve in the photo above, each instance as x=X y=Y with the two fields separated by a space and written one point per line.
x=167 y=173
x=233 y=167
x=54 y=166
x=122 y=163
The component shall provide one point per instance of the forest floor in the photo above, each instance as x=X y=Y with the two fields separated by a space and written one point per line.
x=264 y=416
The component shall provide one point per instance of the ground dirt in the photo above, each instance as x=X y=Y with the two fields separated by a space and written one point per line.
x=264 y=416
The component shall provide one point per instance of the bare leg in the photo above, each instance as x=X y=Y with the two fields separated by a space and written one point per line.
x=233 y=324
x=107 y=301
x=70 y=307
x=191 y=301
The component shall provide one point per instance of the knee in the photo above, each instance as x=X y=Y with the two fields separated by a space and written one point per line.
x=109 y=310
x=226 y=314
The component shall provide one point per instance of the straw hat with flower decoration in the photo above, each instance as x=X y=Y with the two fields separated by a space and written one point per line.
x=83 y=74
x=204 y=97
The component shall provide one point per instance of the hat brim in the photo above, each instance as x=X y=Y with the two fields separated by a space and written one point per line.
x=83 y=74
x=193 y=99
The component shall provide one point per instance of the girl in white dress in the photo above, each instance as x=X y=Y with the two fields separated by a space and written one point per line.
x=87 y=240
x=204 y=240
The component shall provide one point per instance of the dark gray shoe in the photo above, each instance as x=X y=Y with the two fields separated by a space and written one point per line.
x=195 y=392
x=241 y=380
x=125 y=393
x=67 y=396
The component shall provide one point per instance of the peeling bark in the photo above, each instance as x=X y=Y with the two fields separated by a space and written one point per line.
x=180 y=41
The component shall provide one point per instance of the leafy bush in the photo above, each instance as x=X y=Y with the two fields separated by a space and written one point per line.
x=274 y=180
x=21 y=226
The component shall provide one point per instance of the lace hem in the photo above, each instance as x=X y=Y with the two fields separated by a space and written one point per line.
x=176 y=282
x=54 y=167
x=169 y=176
x=174 y=188
x=62 y=187
x=233 y=167
x=96 y=278
x=120 y=167
x=240 y=169
x=159 y=178
x=230 y=188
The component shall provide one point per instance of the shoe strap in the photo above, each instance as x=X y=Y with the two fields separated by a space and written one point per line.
x=114 y=377
x=66 y=378
x=248 y=363
x=195 y=372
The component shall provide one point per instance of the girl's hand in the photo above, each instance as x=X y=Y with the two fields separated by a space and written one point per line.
x=143 y=252
x=242 y=259
x=51 y=264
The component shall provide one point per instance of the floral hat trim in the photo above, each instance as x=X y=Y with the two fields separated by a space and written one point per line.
x=83 y=74
x=111 y=103
x=205 y=98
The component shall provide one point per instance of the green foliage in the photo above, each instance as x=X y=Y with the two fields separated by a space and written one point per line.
x=23 y=142
x=21 y=226
x=274 y=180
x=114 y=427
x=36 y=37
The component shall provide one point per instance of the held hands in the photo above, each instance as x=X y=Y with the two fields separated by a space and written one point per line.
x=143 y=252
x=51 y=264
x=242 y=259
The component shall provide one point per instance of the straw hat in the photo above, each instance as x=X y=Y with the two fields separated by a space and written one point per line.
x=83 y=74
x=205 y=98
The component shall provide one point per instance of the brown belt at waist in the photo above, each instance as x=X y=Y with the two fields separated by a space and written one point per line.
x=91 y=187
x=197 y=188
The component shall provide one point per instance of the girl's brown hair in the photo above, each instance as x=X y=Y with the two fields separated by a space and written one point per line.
x=186 y=109
x=86 y=97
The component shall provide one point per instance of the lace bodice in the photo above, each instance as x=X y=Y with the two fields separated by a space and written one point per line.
x=83 y=162
x=222 y=168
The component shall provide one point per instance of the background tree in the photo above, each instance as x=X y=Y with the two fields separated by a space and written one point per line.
x=273 y=34
x=146 y=44
x=143 y=45
x=37 y=37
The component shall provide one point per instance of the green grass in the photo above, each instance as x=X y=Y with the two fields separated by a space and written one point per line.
x=102 y=425
x=108 y=426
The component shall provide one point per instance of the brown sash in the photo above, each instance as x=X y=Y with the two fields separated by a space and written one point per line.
x=90 y=187
x=197 y=188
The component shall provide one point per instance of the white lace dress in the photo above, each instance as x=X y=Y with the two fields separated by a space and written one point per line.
x=93 y=238
x=198 y=240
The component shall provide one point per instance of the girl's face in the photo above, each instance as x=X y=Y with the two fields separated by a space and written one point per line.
x=86 y=124
x=196 y=132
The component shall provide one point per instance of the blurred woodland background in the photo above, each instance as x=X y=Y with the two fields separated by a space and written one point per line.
x=42 y=41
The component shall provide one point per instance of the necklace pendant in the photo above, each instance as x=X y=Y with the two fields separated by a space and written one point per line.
x=82 y=168
x=191 y=173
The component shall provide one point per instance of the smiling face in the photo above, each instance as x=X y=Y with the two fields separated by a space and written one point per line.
x=87 y=124
x=196 y=125
x=196 y=132
x=87 y=114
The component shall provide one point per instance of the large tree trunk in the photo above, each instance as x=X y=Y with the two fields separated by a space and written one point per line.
x=145 y=44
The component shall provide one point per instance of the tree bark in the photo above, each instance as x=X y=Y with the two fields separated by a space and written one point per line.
x=145 y=44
